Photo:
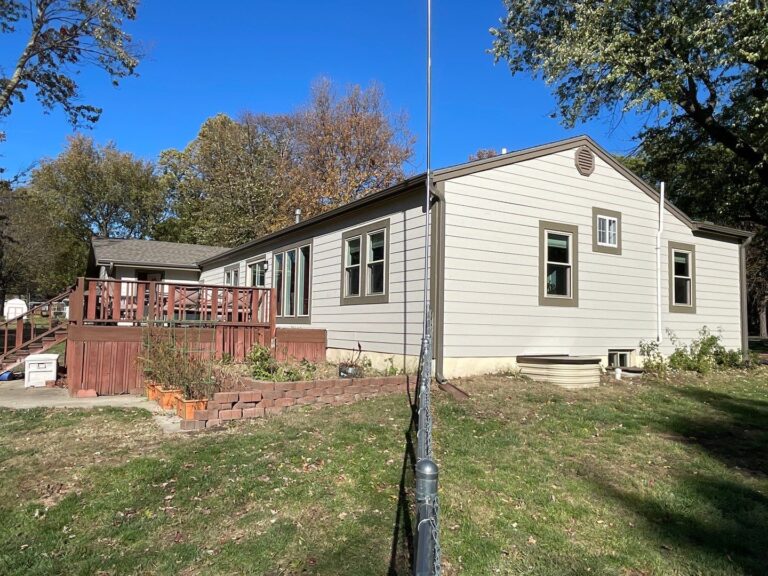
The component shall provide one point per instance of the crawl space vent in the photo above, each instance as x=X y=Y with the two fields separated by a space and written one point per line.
x=585 y=161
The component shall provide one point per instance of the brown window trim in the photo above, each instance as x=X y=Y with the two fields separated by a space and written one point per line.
x=544 y=300
x=296 y=319
x=363 y=232
x=610 y=214
x=681 y=308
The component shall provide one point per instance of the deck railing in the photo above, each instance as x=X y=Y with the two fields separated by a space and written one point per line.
x=32 y=326
x=98 y=301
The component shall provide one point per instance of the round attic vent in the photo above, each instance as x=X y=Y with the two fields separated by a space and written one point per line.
x=585 y=161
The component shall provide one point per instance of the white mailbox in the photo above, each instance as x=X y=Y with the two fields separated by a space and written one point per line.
x=38 y=368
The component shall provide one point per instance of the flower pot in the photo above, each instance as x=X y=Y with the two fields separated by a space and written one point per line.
x=152 y=391
x=166 y=398
x=185 y=409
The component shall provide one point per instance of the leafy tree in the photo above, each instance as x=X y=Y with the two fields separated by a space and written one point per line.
x=98 y=190
x=62 y=35
x=696 y=69
x=482 y=154
x=224 y=187
x=243 y=178
x=701 y=64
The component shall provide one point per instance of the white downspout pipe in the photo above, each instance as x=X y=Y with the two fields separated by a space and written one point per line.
x=658 y=264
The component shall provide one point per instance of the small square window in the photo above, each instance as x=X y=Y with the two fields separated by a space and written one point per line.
x=619 y=358
x=606 y=231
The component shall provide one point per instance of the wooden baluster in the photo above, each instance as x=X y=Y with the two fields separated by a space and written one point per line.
x=272 y=316
x=76 y=302
x=117 y=297
x=141 y=288
x=214 y=304
x=171 y=301
x=152 y=304
x=91 y=314
x=19 y=331
x=235 y=305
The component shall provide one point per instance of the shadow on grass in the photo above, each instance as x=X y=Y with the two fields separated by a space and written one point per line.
x=737 y=434
x=401 y=556
x=728 y=524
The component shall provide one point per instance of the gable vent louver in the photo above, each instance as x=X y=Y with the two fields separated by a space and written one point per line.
x=585 y=161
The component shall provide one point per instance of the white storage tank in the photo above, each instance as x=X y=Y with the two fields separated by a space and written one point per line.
x=14 y=308
x=38 y=368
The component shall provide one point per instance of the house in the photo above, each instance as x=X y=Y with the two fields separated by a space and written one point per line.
x=134 y=259
x=545 y=251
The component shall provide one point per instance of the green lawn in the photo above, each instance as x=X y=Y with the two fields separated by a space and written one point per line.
x=630 y=480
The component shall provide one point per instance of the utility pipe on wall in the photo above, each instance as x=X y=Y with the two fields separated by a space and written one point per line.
x=658 y=264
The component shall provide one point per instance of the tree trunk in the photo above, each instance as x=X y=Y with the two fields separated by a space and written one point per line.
x=763 y=314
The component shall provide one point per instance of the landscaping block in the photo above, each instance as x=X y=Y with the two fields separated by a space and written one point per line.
x=251 y=396
x=230 y=414
x=306 y=400
x=260 y=385
x=87 y=393
x=267 y=403
x=212 y=422
x=284 y=402
x=285 y=386
x=272 y=394
x=206 y=414
x=244 y=405
x=189 y=425
x=295 y=393
x=253 y=412
x=224 y=397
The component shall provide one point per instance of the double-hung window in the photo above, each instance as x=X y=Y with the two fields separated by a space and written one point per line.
x=558 y=264
x=365 y=264
x=232 y=276
x=258 y=273
x=606 y=231
x=682 y=278
x=292 y=281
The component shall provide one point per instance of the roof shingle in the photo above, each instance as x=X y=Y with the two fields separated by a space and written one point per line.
x=151 y=252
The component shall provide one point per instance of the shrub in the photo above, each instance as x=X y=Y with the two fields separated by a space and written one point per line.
x=703 y=354
x=264 y=366
x=174 y=366
x=654 y=362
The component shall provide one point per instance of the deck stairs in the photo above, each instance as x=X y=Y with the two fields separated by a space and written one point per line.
x=35 y=332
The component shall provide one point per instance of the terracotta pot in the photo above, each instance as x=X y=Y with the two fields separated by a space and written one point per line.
x=167 y=398
x=185 y=409
x=152 y=392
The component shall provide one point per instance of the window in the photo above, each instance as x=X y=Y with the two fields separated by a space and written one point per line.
x=352 y=267
x=232 y=276
x=292 y=276
x=606 y=231
x=619 y=358
x=375 y=259
x=258 y=273
x=682 y=278
x=558 y=264
x=365 y=264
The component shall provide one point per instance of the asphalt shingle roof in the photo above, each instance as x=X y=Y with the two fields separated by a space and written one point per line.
x=151 y=252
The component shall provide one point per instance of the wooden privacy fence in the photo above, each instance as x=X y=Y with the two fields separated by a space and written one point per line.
x=109 y=317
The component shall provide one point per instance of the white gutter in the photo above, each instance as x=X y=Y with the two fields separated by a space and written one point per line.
x=658 y=265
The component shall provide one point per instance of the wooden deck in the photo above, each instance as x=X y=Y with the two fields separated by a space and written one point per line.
x=108 y=319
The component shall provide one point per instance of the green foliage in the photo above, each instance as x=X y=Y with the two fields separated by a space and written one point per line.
x=172 y=365
x=59 y=37
x=263 y=366
x=703 y=354
x=654 y=362
x=694 y=63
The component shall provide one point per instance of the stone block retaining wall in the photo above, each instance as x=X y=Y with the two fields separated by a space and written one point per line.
x=266 y=398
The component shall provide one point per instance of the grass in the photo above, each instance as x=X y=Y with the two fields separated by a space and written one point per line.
x=631 y=480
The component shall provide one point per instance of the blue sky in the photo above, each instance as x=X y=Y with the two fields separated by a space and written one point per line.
x=263 y=55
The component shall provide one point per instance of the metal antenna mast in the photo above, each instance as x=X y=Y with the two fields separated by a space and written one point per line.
x=428 y=195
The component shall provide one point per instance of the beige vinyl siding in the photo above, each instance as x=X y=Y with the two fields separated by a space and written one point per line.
x=492 y=259
x=392 y=328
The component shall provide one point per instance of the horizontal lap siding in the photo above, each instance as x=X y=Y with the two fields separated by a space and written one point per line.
x=492 y=265
x=391 y=328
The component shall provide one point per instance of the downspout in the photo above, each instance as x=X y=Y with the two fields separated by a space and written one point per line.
x=437 y=276
x=744 y=303
x=658 y=264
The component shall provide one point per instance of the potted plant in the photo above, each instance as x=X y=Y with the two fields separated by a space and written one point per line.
x=198 y=384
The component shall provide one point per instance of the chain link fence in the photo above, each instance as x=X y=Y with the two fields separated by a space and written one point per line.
x=427 y=557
